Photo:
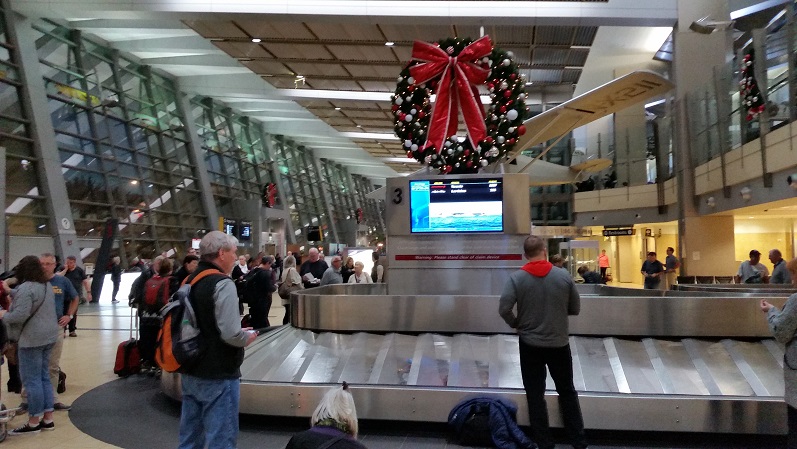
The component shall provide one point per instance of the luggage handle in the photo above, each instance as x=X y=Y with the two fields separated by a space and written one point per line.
x=132 y=314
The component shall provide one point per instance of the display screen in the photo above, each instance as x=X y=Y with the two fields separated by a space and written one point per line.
x=467 y=205
x=246 y=231
x=230 y=227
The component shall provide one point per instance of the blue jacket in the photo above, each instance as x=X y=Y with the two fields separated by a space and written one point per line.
x=503 y=422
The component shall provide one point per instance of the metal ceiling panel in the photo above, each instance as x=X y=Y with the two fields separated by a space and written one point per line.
x=379 y=86
x=362 y=53
x=298 y=51
x=554 y=35
x=571 y=76
x=585 y=36
x=549 y=56
x=338 y=31
x=262 y=67
x=403 y=53
x=242 y=49
x=267 y=29
x=338 y=121
x=510 y=33
x=216 y=29
x=308 y=69
x=405 y=33
x=577 y=57
x=546 y=76
x=280 y=83
x=363 y=105
x=365 y=70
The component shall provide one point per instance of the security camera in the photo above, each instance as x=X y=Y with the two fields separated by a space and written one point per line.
x=711 y=202
x=792 y=181
x=746 y=193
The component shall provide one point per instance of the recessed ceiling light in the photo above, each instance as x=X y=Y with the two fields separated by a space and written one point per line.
x=389 y=44
x=359 y=126
x=299 y=77
x=134 y=182
x=256 y=40
x=337 y=109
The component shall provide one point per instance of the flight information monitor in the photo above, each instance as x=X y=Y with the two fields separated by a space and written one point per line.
x=465 y=205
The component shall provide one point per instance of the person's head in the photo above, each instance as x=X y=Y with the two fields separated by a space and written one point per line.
x=775 y=256
x=338 y=405
x=336 y=263
x=312 y=254
x=557 y=260
x=30 y=270
x=267 y=261
x=375 y=256
x=165 y=267
x=219 y=248
x=755 y=257
x=358 y=267
x=350 y=262
x=48 y=264
x=582 y=269
x=156 y=264
x=191 y=252
x=534 y=247
x=190 y=262
x=242 y=260
x=652 y=256
x=670 y=250
x=289 y=262
x=71 y=263
x=116 y=260
x=603 y=252
x=792 y=267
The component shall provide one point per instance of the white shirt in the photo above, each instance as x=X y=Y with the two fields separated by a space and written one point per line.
x=363 y=278
x=244 y=268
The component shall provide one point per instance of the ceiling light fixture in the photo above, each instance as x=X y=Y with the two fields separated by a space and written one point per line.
x=256 y=40
x=337 y=108
x=389 y=44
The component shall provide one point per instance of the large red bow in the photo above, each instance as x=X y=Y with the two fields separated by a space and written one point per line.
x=461 y=73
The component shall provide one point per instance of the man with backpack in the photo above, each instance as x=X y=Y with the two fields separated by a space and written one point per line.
x=211 y=385
x=157 y=291
x=137 y=289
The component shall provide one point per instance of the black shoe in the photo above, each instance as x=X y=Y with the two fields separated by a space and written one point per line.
x=22 y=409
x=47 y=426
x=26 y=429
x=115 y=301
x=61 y=406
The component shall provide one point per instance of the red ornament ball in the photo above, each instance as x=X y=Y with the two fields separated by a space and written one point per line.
x=521 y=130
x=507 y=93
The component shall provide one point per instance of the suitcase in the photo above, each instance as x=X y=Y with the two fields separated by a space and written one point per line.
x=128 y=358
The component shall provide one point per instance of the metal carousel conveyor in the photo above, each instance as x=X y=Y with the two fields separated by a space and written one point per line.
x=643 y=360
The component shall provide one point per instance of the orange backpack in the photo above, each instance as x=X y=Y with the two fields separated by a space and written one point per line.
x=180 y=343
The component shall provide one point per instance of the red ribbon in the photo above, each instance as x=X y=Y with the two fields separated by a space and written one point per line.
x=460 y=75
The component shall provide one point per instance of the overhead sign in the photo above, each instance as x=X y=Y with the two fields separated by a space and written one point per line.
x=557 y=231
x=618 y=232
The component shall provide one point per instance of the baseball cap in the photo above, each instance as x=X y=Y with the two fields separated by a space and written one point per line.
x=754 y=252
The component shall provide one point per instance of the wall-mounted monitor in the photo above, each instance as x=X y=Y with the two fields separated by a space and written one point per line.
x=245 y=229
x=464 y=205
x=230 y=227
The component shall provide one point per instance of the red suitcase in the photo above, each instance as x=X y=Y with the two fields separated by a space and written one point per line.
x=128 y=358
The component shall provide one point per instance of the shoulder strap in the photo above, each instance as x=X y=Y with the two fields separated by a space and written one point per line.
x=32 y=314
x=329 y=443
x=201 y=276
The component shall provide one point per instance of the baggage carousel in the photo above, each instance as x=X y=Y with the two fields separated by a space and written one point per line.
x=685 y=361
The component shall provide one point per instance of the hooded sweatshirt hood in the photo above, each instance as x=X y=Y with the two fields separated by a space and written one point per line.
x=539 y=268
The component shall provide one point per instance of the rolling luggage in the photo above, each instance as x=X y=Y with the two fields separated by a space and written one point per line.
x=128 y=358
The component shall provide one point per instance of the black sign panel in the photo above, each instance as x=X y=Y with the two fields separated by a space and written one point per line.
x=617 y=232
x=245 y=229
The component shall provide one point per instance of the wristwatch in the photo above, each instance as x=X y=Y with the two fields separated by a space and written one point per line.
x=71 y=316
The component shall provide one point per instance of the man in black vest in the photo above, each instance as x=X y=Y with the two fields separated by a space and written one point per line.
x=211 y=388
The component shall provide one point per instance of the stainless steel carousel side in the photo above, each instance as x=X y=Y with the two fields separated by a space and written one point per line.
x=643 y=360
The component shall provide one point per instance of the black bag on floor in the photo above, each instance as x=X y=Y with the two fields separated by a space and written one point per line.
x=61 y=382
x=471 y=426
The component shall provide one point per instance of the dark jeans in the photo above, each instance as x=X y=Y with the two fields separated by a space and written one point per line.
x=603 y=273
x=533 y=361
x=287 y=318
x=115 y=290
x=792 y=415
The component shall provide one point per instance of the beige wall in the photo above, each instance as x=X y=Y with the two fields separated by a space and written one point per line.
x=709 y=243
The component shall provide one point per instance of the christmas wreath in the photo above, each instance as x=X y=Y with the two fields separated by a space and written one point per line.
x=452 y=69
x=752 y=100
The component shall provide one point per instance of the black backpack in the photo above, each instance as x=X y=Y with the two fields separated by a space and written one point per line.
x=470 y=425
x=249 y=286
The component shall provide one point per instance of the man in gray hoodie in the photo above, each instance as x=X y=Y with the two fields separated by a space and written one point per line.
x=544 y=297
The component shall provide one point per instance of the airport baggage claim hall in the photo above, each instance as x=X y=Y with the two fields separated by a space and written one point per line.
x=436 y=135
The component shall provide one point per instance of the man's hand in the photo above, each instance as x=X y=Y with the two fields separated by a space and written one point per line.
x=250 y=336
x=766 y=306
x=64 y=320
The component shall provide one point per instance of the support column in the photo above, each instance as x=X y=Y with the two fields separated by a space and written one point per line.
x=3 y=236
x=197 y=158
x=326 y=196
x=276 y=176
x=34 y=101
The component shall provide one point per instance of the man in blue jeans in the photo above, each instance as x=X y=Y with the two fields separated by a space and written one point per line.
x=211 y=387
x=544 y=297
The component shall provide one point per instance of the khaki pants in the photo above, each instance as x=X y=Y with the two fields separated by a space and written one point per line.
x=669 y=280
x=54 y=366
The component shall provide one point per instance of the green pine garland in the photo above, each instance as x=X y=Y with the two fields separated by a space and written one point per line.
x=503 y=119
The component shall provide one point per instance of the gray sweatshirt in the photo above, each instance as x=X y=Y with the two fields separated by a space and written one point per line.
x=42 y=328
x=543 y=305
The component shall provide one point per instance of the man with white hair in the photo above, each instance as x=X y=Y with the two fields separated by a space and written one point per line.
x=332 y=274
x=780 y=275
x=211 y=386
x=313 y=269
